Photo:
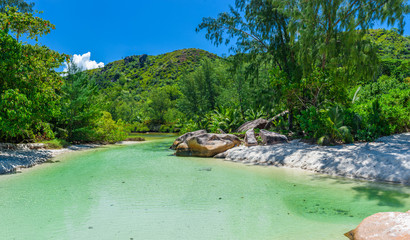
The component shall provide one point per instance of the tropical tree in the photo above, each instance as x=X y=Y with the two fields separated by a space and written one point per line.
x=26 y=23
x=199 y=90
x=302 y=38
x=158 y=103
x=78 y=110
x=22 y=5
x=29 y=84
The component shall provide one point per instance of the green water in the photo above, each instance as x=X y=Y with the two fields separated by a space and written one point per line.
x=143 y=192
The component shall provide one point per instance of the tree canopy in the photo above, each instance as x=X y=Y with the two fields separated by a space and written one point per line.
x=305 y=38
x=22 y=5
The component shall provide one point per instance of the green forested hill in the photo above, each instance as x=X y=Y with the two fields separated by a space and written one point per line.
x=143 y=71
x=393 y=50
x=143 y=88
x=390 y=44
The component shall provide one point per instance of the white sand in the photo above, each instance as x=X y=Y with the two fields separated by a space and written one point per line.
x=11 y=160
x=387 y=159
x=27 y=155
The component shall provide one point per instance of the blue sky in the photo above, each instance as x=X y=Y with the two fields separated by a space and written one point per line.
x=112 y=30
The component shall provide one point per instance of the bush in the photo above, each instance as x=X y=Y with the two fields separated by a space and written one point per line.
x=107 y=130
x=164 y=129
x=325 y=125
x=139 y=127
x=312 y=122
x=375 y=123
x=56 y=143
x=384 y=107
x=189 y=126
x=227 y=119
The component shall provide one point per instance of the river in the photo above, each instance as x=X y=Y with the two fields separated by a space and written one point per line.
x=142 y=191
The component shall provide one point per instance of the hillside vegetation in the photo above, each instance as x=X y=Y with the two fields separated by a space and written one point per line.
x=171 y=90
x=143 y=90
x=142 y=72
x=390 y=44
x=336 y=84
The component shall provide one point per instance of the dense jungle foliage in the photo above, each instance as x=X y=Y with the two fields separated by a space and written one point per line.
x=336 y=83
x=36 y=102
x=223 y=93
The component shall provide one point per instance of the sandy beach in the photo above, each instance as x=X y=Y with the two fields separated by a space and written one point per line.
x=16 y=156
x=387 y=159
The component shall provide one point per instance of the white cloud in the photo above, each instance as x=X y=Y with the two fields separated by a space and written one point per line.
x=84 y=62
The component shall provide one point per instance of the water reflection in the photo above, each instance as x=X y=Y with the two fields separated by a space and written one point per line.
x=389 y=198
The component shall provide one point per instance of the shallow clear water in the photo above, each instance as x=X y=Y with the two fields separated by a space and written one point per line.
x=144 y=192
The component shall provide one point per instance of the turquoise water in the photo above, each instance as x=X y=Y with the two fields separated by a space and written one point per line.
x=142 y=191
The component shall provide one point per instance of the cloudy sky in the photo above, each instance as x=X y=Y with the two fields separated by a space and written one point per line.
x=111 y=30
x=84 y=62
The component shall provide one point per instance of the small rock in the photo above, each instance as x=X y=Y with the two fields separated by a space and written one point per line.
x=271 y=138
x=259 y=123
x=250 y=139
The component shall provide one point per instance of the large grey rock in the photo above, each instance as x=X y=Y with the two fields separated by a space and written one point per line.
x=259 y=123
x=250 y=139
x=183 y=138
x=204 y=144
x=383 y=226
x=271 y=138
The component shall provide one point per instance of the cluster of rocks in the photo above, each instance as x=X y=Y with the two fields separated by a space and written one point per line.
x=21 y=146
x=14 y=156
x=203 y=144
x=12 y=159
x=387 y=159
x=267 y=138
x=141 y=59
x=17 y=156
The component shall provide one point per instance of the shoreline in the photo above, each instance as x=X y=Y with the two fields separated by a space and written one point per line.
x=27 y=156
x=385 y=160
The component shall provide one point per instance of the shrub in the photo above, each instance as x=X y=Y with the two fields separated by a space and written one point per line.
x=312 y=122
x=189 y=126
x=139 y=127
x=384 y=106
x=227 y=119
x=107 y=130
x=56 y=143
x=326 y=125
x=164 y=128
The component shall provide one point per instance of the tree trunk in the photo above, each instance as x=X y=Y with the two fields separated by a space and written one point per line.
x=290 y=120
